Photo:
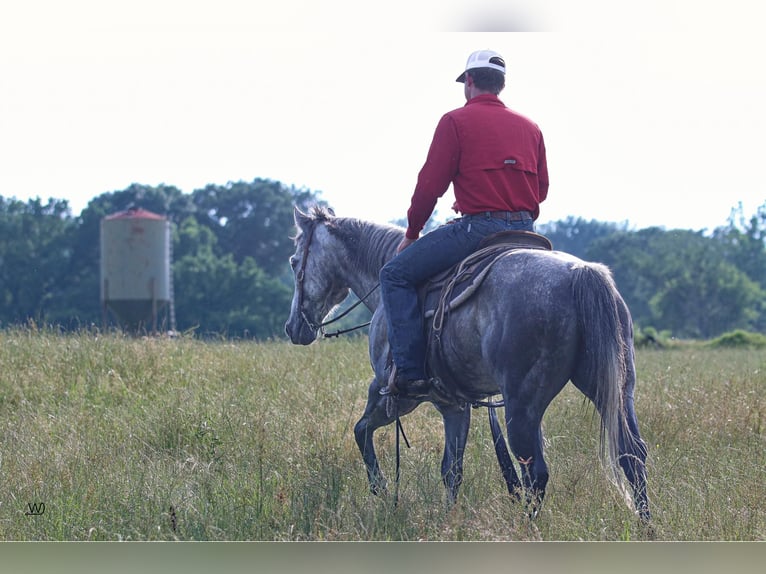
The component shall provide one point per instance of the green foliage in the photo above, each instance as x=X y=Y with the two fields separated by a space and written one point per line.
x=230 y=259
x=180 y=439
x=250 y=219
x=743 y=240
x=575 y=235
x=680 y=280
x=650 y=337
x=35 y=257
x=739 y=339
x=224 y=297
x=231 y=244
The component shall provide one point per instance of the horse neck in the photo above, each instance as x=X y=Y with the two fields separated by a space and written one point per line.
x=369 y=247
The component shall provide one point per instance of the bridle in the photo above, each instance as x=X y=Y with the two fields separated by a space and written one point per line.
x=300 y=276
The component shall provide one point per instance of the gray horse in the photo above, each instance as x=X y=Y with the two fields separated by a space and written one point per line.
x=538 y=320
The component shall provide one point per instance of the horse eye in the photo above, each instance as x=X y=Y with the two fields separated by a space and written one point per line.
x=293 y=262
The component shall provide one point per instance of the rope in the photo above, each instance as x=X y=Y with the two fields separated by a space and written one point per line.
x=400 y=434
x=465 y=267
x=346 y=312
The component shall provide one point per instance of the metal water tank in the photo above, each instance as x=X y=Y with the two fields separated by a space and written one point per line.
x=136 y=282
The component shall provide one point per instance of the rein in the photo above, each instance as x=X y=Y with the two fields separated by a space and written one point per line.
x=321 y=326
x=507 y=469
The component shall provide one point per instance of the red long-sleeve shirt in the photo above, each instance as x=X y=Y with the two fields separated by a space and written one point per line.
x=493 y=156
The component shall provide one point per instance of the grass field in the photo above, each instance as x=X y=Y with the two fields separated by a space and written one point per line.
x=159 y=439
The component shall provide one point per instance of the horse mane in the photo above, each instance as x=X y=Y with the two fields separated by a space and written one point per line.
x=370 y=245
x=320 y=213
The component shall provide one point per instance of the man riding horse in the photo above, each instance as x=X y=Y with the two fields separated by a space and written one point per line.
x=495 y=160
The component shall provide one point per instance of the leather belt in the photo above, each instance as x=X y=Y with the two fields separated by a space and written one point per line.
x=507 y=215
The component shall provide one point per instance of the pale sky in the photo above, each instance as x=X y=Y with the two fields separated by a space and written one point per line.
x=652 y=111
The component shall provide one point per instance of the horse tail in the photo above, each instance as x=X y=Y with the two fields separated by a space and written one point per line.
x=604 y=357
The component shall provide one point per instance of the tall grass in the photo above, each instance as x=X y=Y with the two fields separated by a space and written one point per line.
x=158 y=439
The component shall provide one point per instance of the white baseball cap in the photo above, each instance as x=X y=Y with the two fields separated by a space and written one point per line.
x=483 y=59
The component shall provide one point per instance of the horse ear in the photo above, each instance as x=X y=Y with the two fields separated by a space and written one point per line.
x=301 y=219
x=331 y=211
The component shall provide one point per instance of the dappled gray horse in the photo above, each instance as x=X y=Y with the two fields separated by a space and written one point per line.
x=538 y=320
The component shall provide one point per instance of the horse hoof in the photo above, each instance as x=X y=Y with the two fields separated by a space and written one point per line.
x=378 y=489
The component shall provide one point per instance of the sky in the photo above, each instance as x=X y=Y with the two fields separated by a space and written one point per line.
x=652 y=111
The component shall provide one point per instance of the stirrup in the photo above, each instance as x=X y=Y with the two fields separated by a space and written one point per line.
x=411 y=389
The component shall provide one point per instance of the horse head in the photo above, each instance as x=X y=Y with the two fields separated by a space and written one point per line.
x=315 y=261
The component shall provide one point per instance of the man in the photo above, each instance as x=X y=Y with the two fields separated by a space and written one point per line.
x=495 y=160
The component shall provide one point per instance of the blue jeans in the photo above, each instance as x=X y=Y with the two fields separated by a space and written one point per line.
x=402 y=275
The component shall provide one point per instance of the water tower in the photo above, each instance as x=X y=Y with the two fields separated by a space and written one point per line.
x=136 y=283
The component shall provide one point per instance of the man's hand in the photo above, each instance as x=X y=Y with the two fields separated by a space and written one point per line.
x=405 y=243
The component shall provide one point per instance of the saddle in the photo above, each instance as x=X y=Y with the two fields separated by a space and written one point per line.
x=454 y=286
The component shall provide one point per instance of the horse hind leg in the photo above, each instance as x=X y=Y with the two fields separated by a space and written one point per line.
x=606 y=374
x=526 y=441
x=632 y=456
x=631 y=449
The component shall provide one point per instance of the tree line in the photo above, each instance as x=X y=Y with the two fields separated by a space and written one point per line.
x=230 y=244
x=231 y=276
x=690 y=284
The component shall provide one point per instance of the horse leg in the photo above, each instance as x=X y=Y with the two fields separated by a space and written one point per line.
x=632 y=448
x=606 y=373
x=632 y=453
x=457 y=421
x=525 y=437
x=374 y=417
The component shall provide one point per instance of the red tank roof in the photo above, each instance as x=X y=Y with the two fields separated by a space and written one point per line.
x=135 y=213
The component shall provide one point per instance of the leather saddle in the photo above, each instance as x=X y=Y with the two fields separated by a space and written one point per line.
x=454 y=286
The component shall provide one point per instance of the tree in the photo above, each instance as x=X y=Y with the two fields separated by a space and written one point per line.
x=706 y=297
x=34 y=257
x=744 y=242
x=630 y=256
x=231 y=253
x=679 y=280
x=253 y=219
x=575 y=235
x=215 y=294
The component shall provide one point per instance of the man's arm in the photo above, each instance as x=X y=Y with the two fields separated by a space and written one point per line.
x=435 y=176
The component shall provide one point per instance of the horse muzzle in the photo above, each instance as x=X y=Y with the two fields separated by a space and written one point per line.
x=300 y=331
